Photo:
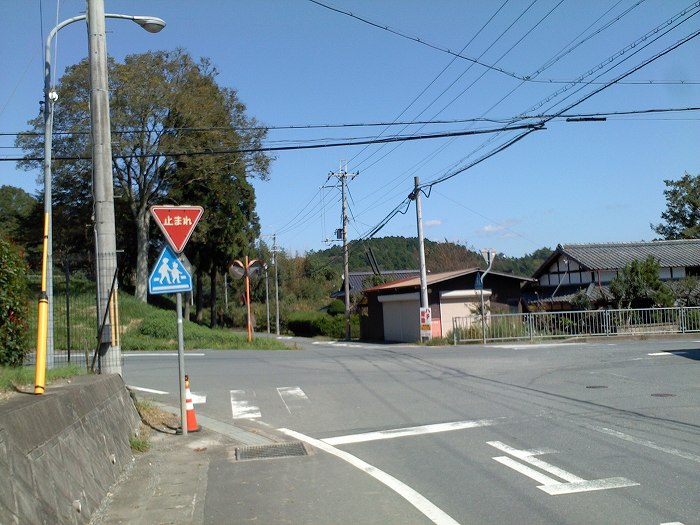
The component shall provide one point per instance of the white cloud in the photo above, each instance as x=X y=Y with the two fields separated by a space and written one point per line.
x=432 y=223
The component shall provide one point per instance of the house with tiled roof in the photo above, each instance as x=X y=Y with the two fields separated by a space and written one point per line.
x=573 y=268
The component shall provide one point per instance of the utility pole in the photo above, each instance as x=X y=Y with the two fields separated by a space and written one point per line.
x=267 y=299
x=342 y=175
x=103 y=190
x=489 y=255
x=425 y=315
x=277 y=287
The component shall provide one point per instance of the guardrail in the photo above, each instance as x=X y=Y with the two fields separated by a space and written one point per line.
x=544 y=325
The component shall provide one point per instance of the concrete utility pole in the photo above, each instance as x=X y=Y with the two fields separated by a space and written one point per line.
x=424 y=303
x=277 y=287
x=342 y=174
x=489 y=256
x=103 y=189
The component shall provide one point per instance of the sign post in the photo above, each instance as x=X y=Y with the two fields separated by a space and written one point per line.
x=170 y=275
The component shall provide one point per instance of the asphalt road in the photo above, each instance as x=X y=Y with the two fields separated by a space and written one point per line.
x=598 y=433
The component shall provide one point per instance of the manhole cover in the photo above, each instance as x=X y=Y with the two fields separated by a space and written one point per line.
x=596 y=386
x=663 y=395
x=276 y=450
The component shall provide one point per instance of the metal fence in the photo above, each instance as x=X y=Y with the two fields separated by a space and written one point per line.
x=547 y=325
x=74 y=317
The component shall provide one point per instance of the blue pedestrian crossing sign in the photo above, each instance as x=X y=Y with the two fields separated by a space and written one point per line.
x=169 y=275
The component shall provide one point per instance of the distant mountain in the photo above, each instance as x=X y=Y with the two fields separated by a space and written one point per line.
x=401 y=253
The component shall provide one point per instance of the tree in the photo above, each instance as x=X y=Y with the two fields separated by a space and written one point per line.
x=219 y=183
x=682 y=215
x=13 y=304
x=157 y=103
x=639 y=283
x=686 y=291
x=16 y=205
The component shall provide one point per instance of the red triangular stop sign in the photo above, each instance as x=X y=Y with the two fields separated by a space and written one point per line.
x=177 y=223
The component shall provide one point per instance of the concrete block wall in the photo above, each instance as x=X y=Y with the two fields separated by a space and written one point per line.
x=61 y=452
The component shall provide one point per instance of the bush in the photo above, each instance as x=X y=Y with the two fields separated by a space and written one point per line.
x=310 y=324
x=337 y=307
x=160 y=326
x=13 y=305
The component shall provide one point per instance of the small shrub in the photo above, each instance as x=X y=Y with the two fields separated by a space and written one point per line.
x=13 y=305
x=337 y=307
x=140 y=442
x=159 y=326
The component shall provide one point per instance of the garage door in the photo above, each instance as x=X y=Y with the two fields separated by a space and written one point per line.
x=401 y=317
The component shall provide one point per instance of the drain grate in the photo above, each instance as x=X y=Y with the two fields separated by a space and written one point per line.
x=276 y=450
x=596 y=386
x=663 y=395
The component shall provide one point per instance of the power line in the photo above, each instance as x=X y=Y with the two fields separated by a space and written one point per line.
x=289 y=148
x=502 y=120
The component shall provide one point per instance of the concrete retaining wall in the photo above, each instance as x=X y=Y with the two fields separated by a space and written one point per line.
x=61 y=452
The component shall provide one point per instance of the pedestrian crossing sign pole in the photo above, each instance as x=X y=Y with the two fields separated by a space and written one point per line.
x=170 y=275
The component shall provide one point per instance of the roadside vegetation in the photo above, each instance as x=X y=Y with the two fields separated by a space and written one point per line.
x=22 y=377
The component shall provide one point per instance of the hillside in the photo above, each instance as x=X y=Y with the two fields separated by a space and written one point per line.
x=401 y=253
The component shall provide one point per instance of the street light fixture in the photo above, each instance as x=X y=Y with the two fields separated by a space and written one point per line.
x=150 y=24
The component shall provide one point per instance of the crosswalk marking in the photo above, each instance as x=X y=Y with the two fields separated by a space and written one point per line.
x=549 y=485
x=244 y=404
x=241 y=408
x=293 y=397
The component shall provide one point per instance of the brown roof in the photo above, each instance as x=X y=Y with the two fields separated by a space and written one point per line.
x=433 y=278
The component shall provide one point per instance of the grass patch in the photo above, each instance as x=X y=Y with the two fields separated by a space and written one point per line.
x=140 y=442
x=143 y=326
x=25 y=376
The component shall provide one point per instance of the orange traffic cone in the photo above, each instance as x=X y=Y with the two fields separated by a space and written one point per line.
x=192 y=425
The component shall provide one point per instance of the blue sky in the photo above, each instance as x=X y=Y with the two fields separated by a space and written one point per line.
x=298 y=63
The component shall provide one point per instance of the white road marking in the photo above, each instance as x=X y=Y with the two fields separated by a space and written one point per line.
x=527 y=471
x=241 y=408
x=587 y=486
x=550 y=485
x=198 y=399
x=284 y=337
x=160 y=354
x=669 y=353
x=293 y=397
x=528 y=457
x=527 y=346
x=646 y=443
x=148 y=390
x=420 y=502
x=408 y=431
x=672 y=523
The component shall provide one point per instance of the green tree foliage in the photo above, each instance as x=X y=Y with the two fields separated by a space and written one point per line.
x=13 y=304
x=16 y=206
x=638 y=284
x=401 y=253
x=163 y=104
x=686 y=291
x=682 y=215
x=525 y=265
